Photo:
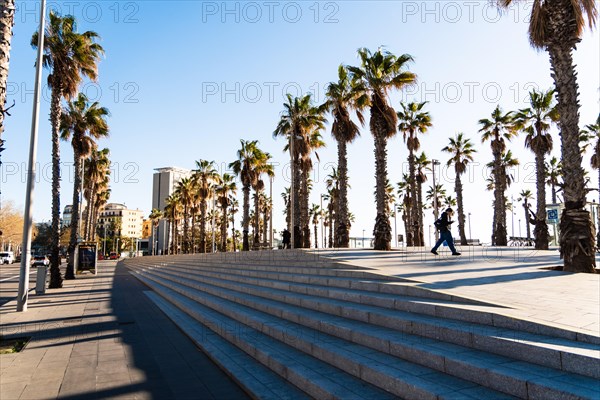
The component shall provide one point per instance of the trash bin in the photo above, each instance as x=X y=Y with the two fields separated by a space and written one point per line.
x=40 y=282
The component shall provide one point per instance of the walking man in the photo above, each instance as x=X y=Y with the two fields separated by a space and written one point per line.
x=443 y=225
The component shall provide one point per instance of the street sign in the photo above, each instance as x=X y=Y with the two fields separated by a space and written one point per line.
x=552 y=216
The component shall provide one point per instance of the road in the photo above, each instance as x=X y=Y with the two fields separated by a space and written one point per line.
x=9 y=281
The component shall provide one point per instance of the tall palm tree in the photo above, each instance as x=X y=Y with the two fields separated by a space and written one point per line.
x=97 y=171
x=70 y=56
x=593 y=131
x=422 y=164
x=83 y=123
x=234 y=208
x=204 y=176
x=185 y=189
x=498 y=130
x=332 y=184
x=381 y=71
x=343 y=97
x=298 y=121
x=535 y=121
x=554 y=168
x=7 y=20
x=461 y=154
x=249 y=156
x=525 y=196
x=262 y=166
x=315 y=215
x=557 y=27
x=404 y=198
x=155 y=216
x=224 y=190
x=412 y=121
x=436 y=197
x=171 y=212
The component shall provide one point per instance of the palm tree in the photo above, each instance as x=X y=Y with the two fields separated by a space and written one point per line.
x=499 y=129
x=380 y=72
x=261 y=167
x=70 y=56
x=96 y=177
x=234 y=209
x=185 y=189
x=593 y=131
x=554 y=169
x=461 y=154
x=557 y=27
x=204 y=176
x=422 y=164
x=171 y=212
x=435 y=197
x=7 y=20
x=332 y=184
x=155 y=216
x=224 y=190
x=525 y=196
x=315 y=215
x=83 y=123
x=249 y=156
x=535 y=121
x=412 y=122
x=299 y=120
x=404 y=198
x=344 y=96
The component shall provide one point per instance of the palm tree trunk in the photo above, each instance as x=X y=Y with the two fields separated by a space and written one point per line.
x=461 y=213
x=224 y=230
x=316 y=236
x=296 y=217
x=577 y=244
x=233 y=232
x=256 y=241
x=55 y=116
x=382 y=230
x=246 y=219
x=203 y=226
x=527 y=227
x=415 y=204
x=70 y=272
x=420 y=212
x=540 y=231
x=499 y=231
x=343 y=236
x=304 y=217
x=7 y=15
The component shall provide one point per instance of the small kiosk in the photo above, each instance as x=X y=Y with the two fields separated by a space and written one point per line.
x=86 y=257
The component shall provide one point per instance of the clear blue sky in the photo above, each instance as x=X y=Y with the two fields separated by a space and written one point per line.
x=186 y=80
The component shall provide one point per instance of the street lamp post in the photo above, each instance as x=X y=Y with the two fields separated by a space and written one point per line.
x=469 y=215
x=31 y=171
x=271 y=213
x=435 y=202
x=364 y=238
x=322 y=234
x=512 y=211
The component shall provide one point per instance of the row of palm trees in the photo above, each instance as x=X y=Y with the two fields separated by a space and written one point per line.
x=71 y=57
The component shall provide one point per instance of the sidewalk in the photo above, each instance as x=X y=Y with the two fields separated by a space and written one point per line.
x=101 y=337
x=511 y=277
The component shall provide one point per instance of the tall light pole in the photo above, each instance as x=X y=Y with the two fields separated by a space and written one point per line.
x=31 y=172
x=469 y=216
x=322 y=233
x=364 y=238
x=104 y=244
x=435 y=202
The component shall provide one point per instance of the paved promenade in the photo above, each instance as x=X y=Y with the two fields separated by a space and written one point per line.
x=513 y=277
x=101 y=337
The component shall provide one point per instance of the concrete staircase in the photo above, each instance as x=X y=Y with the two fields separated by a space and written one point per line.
x=290 y=324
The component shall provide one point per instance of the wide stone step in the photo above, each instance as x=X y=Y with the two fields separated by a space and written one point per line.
x=316 y=378
x=546 y=351
x=256 y=379
x=402 y=378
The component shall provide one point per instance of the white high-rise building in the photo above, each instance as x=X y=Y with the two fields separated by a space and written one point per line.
x=163 y=185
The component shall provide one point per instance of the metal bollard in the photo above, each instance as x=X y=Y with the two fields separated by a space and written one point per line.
x=40 y=282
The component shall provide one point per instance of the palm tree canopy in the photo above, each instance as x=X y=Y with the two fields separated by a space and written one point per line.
x=498 y=129
x=68 y=54
x=536 y=120
x=379 y=72
x=84 y=122
x=343 y=96
x=461 y=150
x=412 y=122
x=539 y=34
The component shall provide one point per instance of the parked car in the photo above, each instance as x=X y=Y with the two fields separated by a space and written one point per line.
x=40 y=261
x=113 y=256
x=7 y=257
